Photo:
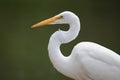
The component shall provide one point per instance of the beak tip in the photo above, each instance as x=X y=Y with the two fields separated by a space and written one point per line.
x=33 y=26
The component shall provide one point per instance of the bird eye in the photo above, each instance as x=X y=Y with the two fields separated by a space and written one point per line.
x=60 y=17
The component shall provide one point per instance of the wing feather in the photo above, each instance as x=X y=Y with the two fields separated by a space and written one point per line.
x=98 y=62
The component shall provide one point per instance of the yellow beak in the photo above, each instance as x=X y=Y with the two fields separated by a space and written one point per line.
x=47 y=21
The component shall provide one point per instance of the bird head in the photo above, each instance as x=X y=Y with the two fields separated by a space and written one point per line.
x=65 y=17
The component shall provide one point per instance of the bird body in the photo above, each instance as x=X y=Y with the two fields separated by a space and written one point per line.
x=96 y=62
x=88 y=60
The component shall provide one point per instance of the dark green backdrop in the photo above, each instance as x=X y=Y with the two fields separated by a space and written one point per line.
x=23 y=51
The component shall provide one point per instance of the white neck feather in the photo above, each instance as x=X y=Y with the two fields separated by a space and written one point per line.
x=58 y=38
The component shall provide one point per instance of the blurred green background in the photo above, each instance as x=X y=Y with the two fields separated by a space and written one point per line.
x=23 y=51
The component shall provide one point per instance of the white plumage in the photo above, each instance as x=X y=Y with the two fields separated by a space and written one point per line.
x=88 y=60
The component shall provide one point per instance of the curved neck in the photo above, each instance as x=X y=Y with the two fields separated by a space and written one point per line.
x=58 y=38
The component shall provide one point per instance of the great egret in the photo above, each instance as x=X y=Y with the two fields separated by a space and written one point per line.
x=88 y=60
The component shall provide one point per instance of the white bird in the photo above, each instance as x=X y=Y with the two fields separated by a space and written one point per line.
x=88 y=60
